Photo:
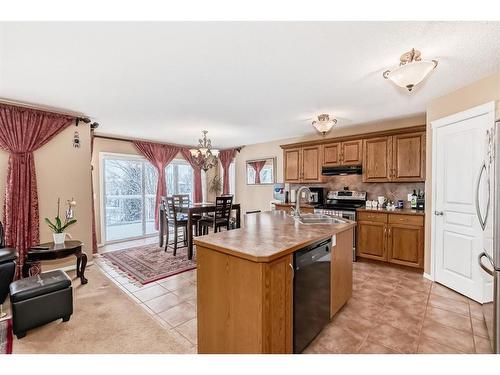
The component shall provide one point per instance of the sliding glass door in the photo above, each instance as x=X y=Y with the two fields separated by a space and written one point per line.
x=129 y=193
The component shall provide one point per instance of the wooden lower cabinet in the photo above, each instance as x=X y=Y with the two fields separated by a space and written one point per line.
x=405 y=245
x=372 y=240
x=399 y=240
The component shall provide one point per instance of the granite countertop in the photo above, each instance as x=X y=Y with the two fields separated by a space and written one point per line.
x=268 y=236
x=400 y=211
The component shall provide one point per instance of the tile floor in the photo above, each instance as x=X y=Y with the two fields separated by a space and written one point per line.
x=395 y=310
x=392 y=310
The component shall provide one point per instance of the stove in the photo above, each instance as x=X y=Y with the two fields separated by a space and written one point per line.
x=343 y=203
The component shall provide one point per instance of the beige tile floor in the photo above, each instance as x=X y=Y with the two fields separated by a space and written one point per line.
x=392 y=310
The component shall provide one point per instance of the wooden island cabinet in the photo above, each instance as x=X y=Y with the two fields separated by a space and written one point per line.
x=391 y=236
x=245 y=282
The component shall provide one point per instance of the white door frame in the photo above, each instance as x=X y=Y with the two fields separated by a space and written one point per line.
x=447 y=121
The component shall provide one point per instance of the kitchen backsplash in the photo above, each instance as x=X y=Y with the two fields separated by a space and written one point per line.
x=391 y=190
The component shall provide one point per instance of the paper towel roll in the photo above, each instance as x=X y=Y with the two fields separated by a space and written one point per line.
x=292 y=196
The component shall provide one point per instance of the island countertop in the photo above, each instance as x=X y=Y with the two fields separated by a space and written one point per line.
x=267 y=236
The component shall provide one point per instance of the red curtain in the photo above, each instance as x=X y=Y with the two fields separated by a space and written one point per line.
x=160 y=155
x=257 y=166
x=226 y=157
x=197 y=193
x=22 y=131
x=94 y=235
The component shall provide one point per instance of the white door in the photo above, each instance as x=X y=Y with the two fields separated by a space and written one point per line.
x=458 y=154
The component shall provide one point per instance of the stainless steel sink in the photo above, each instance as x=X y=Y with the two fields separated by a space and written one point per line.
x=319 y=219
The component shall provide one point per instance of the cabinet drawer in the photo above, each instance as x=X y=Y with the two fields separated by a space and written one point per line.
x=406 y=219
x=372 y=216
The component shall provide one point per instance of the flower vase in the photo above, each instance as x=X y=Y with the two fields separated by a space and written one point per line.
x=59 y=238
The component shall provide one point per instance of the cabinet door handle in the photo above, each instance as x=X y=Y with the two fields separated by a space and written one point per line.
x=293 y=270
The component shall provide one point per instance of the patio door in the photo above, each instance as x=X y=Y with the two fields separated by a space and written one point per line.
x=128 y=199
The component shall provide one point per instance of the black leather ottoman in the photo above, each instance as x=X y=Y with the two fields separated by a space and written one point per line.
x=40 y=299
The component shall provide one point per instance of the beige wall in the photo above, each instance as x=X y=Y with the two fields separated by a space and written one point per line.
x=480 y=92
x=255 y=197
x=62 y=171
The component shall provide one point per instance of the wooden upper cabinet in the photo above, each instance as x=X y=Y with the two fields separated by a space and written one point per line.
x=377 y=159
x=343 y=153
x=331 y=154
x=302 y=164
x=408 y=163
x=352 y=152
x=292 y=168
x=311 y=164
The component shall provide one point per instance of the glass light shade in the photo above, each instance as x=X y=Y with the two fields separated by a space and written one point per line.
x=215 y=152
x=411 y=74
x=194 y=152
x=203 y=150
x=323 y=126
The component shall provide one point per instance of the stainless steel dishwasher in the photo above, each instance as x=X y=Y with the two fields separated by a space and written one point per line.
x=311 y=292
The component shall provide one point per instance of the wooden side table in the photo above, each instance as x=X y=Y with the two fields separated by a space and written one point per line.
x=51 y=251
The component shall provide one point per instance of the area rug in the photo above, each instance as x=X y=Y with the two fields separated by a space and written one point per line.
x=150 y=263
x=6 y=336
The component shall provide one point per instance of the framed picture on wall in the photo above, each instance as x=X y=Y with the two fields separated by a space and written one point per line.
x=261 y=171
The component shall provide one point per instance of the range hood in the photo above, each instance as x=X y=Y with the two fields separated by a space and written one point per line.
x=342 y=170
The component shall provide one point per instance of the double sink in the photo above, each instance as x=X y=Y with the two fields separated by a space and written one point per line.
x=319 y=219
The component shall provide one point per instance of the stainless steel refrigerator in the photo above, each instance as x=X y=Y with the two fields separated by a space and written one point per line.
x=488 y=214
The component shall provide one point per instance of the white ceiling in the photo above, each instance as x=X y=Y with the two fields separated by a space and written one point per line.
x=245 y=82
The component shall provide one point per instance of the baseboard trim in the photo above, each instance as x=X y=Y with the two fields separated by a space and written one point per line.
x=428 y=277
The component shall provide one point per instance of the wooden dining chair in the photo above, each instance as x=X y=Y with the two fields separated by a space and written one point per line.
x=184 y=202
x=175 y=219
x=221 y=217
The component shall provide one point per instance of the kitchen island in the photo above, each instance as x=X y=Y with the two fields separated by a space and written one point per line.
x=245 y=281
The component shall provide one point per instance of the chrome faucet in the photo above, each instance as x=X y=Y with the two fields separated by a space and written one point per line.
x=296 y=211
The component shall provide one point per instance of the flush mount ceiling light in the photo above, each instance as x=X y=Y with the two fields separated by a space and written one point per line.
x=411 y=71
x=204 y=155
x=324 y=123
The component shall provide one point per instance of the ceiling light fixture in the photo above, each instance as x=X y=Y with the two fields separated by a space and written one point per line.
x=411 y=71
x=324 y=123
x=205 y=156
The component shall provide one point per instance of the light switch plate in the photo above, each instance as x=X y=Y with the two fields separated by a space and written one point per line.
x=334 y=240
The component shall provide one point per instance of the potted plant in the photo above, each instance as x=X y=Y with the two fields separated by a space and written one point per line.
x=58 y=227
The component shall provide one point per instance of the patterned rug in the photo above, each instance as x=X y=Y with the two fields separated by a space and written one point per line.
x=150 y=263
x=6 y=336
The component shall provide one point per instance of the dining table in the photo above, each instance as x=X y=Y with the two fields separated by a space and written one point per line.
x=193 y=209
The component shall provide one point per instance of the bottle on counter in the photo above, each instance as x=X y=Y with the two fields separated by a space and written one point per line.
x=414 y=200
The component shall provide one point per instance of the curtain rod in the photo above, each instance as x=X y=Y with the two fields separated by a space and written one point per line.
x=110 y=137
x=42 y=108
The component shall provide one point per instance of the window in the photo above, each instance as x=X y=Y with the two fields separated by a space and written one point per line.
x=129 y=195
x=180 y=178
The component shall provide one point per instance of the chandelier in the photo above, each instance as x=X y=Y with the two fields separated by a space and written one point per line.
x=324 y=124
x=204 y=155
x=411 y=71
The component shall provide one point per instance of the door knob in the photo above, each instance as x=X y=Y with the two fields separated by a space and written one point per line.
x=438 y=213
